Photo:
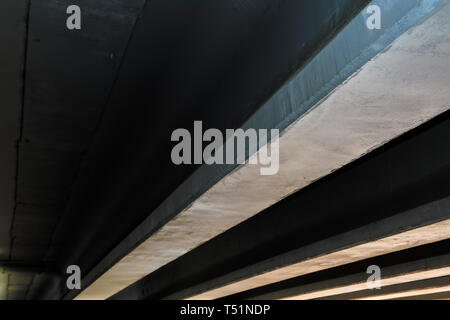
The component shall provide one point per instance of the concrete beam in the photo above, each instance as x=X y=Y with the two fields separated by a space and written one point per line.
x=431 y=296
x=404 y=174
x=434 y=267
x=430 y=287
x=426 y=224
x=407 y=290
x=396 y=91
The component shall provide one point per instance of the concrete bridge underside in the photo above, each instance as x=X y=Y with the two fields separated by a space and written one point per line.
x=87 y=179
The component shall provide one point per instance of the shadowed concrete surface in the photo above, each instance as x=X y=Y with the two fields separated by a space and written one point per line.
x=58 y=114
x=86 y=118
x=12 y=55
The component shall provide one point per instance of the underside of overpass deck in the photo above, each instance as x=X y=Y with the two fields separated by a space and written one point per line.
x=87 y=178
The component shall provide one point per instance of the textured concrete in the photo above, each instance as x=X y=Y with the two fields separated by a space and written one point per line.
x=408 y=290
x=186 y=60
x=402 y=175
x=409 y=272
x=383 y=237
x=411 y=293
x=396 y=91
x=78 y=197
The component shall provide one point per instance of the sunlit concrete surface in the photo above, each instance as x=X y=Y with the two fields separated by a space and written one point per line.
x=411 y=293
x=420 y=270
x=401 y=88
x=356 y=245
